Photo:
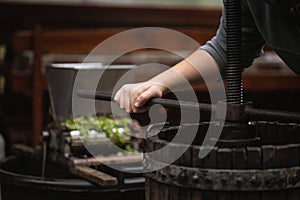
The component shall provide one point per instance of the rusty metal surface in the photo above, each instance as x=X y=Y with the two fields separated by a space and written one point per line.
x=271 y=115
x=267 y=167
x=168 y=103
x=226 y=179
x=235 y=112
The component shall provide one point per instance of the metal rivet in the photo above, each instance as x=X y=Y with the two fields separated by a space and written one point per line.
x=182 y=177
x=195 y=179
x=253 y=180
x=163 y=175
x=223 y=181
x=171 y=175
x=239 y=182
x=208 y=180
x=145 y=165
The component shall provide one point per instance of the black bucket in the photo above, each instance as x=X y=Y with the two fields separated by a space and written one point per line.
x=20 y=179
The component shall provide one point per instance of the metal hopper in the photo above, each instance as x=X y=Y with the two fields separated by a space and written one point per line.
x=61 y=83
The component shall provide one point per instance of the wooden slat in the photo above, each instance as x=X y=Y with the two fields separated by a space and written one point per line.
x=254 y=158
x=239 y=158
x=164 y=191
x=224 y=158
x=152 y=188
x=210 y=195
x=185 y=194
x=100 y=160
x=76 y=41
x=197 y=195
x=290 y=133
x=95 y=176
x=239 y=161
x=299 y=154
x=175 y=193
x=281 y=156
x=274 y=195
x=253 y=196
x=186 y=158
x=294 y=194
x=272 y=158
x=239 y=195
x=225 y=196
x=196 y=162
x=210 y=161
x=171 y=153
x=297 y=133
x=200 y=135
x=224 y=161
x=283 y=137
x=147 y=189
x=155 y=190
x=268 y=157
x=293 y=155
x=158 y=146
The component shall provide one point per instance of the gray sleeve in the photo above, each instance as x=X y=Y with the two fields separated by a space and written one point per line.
x=252 y=41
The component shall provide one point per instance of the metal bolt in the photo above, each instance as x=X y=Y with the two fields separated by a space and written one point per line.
x=171 y=175
x=162 y=174
x=294 y=179
x=45 y=133
x=146 y=165
x=195 y=179
x=182 y=177
x=209 y=180
x=223 y=181
x=239 y=182
x=253 y=180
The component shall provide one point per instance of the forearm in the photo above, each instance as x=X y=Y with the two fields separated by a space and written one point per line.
x=192 y=69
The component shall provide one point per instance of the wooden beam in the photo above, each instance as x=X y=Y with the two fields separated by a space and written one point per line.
x=95 y=176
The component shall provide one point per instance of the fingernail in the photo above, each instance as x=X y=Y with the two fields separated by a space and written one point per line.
x=137 y=104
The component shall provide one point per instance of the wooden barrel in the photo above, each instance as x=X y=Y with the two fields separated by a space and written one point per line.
x=265 y=170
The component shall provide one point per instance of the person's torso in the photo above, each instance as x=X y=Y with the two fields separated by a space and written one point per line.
x=278 y=28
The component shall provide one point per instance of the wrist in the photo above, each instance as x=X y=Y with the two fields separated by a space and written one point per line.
x=160 y=85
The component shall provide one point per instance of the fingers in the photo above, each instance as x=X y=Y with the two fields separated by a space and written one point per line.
x=145 y=96
x=132 y=97
x=122 y=97
x=117 y=96
x=139 y=91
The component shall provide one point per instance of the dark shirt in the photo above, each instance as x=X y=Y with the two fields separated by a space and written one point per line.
x=263 y=22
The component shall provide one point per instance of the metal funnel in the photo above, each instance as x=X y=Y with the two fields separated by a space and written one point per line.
x=61 y=79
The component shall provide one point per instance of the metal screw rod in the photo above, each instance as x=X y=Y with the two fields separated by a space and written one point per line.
x=233 y=69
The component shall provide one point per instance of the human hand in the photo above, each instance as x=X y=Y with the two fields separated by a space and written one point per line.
x=132 y=97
